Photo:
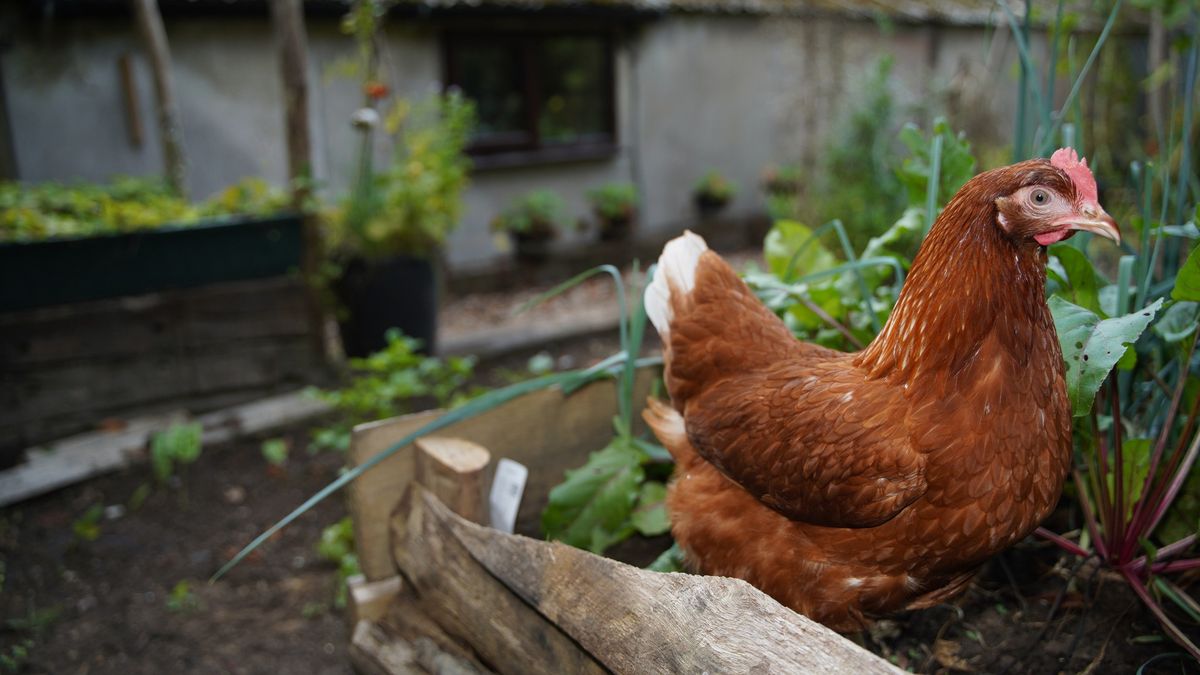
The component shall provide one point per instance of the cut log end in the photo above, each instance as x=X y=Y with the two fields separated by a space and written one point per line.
x=455 y=470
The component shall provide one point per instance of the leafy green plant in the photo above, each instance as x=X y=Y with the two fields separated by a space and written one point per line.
x=614 y=200
x=16 y=656
x=337 y=546
x=36 y=621
x=538 y=215
x=177 y=446
x=620 y=489
x=855 y=180
x=31 y=212
x=713 y=190
x=414 y=204
x=275 y=451
x=87 y=526
x=783 y=186
x=386 y=383
x=182 y=599
x=841 y=301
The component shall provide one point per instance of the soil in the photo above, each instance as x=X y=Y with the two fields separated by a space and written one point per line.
x=114 y=604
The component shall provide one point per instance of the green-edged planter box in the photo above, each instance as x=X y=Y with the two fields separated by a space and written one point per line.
x=62 y=271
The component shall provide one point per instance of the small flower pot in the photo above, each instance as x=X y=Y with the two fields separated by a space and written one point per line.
x=710 y=205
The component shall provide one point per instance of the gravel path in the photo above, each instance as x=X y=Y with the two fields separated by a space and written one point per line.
x=486 y=323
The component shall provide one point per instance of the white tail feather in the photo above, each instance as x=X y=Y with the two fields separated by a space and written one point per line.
x=676 y=268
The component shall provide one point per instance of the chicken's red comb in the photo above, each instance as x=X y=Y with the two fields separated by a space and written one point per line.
x=1077 y=170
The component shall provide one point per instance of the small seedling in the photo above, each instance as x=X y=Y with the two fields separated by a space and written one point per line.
x=87 y=526
x=139 y=496
x=275 y=451
x=35 y=621
x=312 y=610
x=14 y=660
x=337 y=546
x=182 y=599
x=177 y=446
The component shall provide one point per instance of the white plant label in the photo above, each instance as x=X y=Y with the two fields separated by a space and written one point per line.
x=505 y=498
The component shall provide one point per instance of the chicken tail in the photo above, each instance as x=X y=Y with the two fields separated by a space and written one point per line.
x=676 y=273
x=667 y=425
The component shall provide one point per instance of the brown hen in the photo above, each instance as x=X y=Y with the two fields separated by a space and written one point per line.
x=848 y=486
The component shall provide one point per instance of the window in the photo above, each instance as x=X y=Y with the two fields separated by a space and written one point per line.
x=539 y=97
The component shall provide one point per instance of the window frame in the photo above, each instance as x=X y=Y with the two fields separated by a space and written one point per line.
x=531 y=149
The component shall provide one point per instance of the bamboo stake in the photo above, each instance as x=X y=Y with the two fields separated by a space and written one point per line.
x=155 y=36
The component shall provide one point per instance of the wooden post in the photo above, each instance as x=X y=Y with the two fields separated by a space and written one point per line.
x=155 y=36
x=454 y=470
x=133 y=118
x=292 y=39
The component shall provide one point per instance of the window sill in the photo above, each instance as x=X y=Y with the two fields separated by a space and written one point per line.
x=544 y=156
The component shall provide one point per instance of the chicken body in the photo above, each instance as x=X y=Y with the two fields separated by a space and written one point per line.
x=848 y=486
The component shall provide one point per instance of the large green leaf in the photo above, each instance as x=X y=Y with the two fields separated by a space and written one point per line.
x=1187 y=284
x=1135 y=463
x=956 y=165
x=650 y=517
x=791 y=249
x=1091 y=346
x=1179 y=321
x=671 y=560
x=1084 y=290
x=592 y=508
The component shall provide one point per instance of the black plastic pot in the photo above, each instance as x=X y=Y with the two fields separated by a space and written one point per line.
x=709 y=205
x=61 y=271
x=377 y=295
x=616 y=228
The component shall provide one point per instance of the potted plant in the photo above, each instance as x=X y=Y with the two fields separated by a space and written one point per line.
x=532 y=222
x=615 y=206
x=782 y=185
x=385 y=237
x=712 y=192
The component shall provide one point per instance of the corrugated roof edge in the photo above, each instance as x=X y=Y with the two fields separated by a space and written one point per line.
x=945 y=12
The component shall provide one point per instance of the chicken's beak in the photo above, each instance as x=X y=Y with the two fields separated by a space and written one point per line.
x=1092 y=218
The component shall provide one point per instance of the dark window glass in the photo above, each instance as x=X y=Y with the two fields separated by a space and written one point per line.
x=574 y=76
x=535 y=92
x=491 y=75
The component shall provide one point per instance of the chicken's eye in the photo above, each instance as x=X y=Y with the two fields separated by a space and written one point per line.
x=1040 y=197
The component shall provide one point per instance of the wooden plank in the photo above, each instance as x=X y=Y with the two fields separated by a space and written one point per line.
x=80 y=457
x=131 y=326
x=370 y=600
x=405 y=619
x=455 y=471
x=105 y=387
x=629 y=620
x=374 y=651
x=469 y=603
x=546 y=431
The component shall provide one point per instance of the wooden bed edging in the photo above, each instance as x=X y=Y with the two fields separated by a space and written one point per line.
x=529 y=606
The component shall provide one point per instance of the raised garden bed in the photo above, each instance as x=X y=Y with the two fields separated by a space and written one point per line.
x=482 y=600
x=70 y=270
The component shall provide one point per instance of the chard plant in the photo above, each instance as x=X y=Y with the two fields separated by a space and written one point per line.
x=1128 y=337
